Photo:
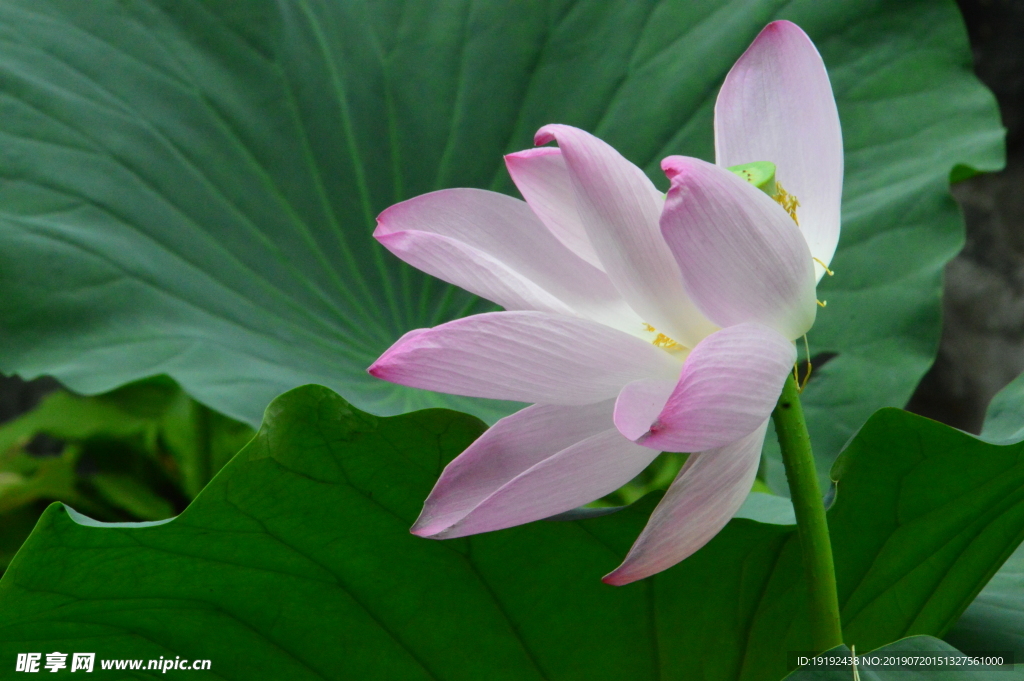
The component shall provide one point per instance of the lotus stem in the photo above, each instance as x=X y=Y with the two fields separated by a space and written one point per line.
x=811 y=523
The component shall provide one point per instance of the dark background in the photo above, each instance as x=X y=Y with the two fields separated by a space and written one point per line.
x=983 y=323
x=982 y=345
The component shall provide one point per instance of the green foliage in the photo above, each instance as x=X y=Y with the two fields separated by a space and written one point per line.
x=655 y=478
x=926 y=504
x=138 y=453
x=298 y=554
x=1004 y=418
x=995 y=620
x=190 y=189
x=191 y=186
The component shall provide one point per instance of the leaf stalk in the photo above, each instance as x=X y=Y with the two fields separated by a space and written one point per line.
x=811 y=523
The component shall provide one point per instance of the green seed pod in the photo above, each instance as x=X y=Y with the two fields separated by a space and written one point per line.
x=761 y=174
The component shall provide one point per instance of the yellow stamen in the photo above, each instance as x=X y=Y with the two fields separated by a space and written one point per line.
x=827 y=270
x=661 y=340
x=787 y=201
x=821 y=303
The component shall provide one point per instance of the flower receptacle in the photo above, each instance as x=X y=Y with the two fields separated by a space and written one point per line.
x=761 y=174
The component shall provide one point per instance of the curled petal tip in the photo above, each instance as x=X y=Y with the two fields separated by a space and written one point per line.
x=777 y=32
x=385 y=366
x=387 y=218
x=674 y=166
x=420 y=531
x=545 y=134
x=638 y=406
x=614 y=578
x=686 y=171
x=428 y=527
x=780 y=30
x=388 y=239
x=651 y=432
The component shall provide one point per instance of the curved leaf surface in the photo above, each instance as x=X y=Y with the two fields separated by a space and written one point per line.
x=995 y=620
x=1004 y=418
x=189 y=187
x=296 y=562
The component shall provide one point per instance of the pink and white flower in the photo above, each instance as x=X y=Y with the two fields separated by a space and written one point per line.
x=636 y=322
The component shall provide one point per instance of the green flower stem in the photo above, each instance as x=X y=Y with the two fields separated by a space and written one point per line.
x=811 y=524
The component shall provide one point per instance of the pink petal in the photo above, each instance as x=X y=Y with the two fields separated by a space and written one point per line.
x=640 y=403
x=472 y=270
x=542 y=178
x=704 y=496
x=523 y=356
x=510 y=447
x=619 y=207
x=742 y=258
x=494 y=246
x=777 y=105
x=729 y=384
x=576 y=475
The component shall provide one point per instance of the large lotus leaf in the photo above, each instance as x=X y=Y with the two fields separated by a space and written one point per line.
x=925 y=504
x=995 y=620
x=296 y=563
x=189 y=187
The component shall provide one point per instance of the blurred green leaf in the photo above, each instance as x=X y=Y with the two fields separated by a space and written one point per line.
x=655 y=478
x=138 y=453
x=299 y=554
x=1004 y=418
x=190 y=187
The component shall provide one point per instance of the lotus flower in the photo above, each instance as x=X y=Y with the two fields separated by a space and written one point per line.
x=636 y=322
